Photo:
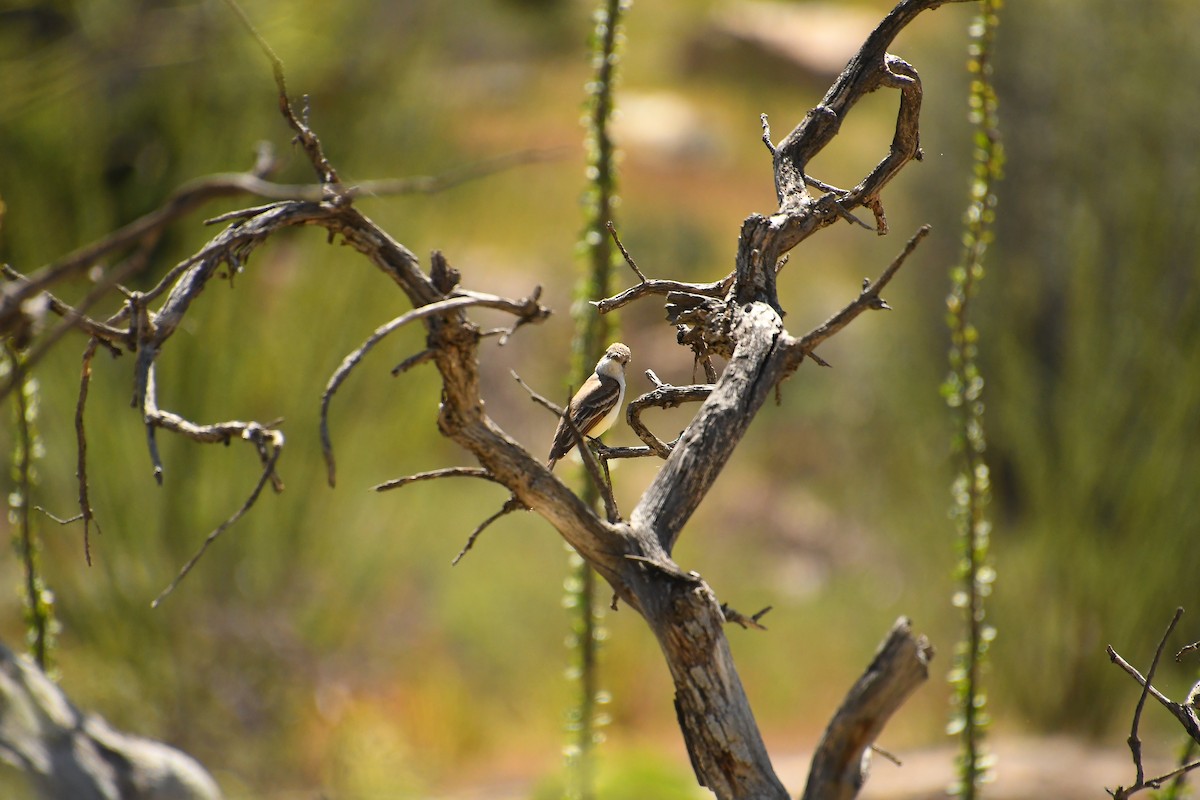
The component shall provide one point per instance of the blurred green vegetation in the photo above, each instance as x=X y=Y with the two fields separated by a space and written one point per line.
x=324 y=644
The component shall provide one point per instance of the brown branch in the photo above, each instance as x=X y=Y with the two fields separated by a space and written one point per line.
x=868 y=299
x=871 y=68
x=525 y=309
x=612 y=230
x=447 y=472
x=900 y=666
x=143 y=229
x=662 y=287
x=738 y=618
x=73 y=317
x=275 y=447
x=607 y=453
x=266 y=440
x=305 y=137
x=663 y=396
x=513 y=504
x=85 y=505
x=1185 y=713
x=186 y=199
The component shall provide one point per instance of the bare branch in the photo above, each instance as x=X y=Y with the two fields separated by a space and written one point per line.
x=513 y=504
x=607 y=453
x=661 y=287
x=900 y=666
x=628 y=258
x=447 y=472
x=57 y=519
x=738 y=618
x=1185 y=713
x=85 y=505
x=663 y=396
x=304 y=135
x=423 y=357
x=268 y=474
x=266 y=440
x=352 y=360
x=759 y=362
x=766 y=133
x=112 y=338
x=867 y=299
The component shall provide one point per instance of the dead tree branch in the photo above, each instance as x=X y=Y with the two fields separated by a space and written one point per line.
x=737 y=317
x=1185 y=713
x=900 y=666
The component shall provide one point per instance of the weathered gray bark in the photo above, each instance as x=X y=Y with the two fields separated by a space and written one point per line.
x=69 y=755
x=900 y=666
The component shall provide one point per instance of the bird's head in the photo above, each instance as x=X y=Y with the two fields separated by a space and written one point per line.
x=617 y=352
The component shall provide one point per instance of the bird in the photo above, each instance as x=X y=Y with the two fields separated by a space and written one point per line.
x=596 y=405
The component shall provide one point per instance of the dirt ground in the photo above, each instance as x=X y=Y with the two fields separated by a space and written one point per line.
x=1026 y=769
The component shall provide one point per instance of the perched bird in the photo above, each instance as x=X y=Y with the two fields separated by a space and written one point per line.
x=596 y=405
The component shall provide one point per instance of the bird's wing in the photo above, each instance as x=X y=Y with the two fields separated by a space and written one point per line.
x=593 y=400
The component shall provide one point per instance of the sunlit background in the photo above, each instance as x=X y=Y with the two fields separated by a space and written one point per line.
x=325 y=647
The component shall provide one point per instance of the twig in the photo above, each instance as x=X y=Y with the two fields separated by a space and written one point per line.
x=524 y=319
x=612 y=229
x=823 y=186
x=738 y=618
x=766 y=133
x=886 y=755
x=841 y=211
x=85 y=505
x=512 y=505
x=527 y=309
x=143 y=229
x=75 y=314
x=357 y=355
x=549 y=405
x=1182 y=712
x=1135 y=743
x=666 y=567
x=221 y=432
x=268 y=473
x=662 y=396
x=72 y=318
x=304 y=135
x=434 y=474
x=187 y=198
x=867 y=299
x=654 y=286
x=1165 y=701
x=607 y=453
x=57 y=519
x=422 y=357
